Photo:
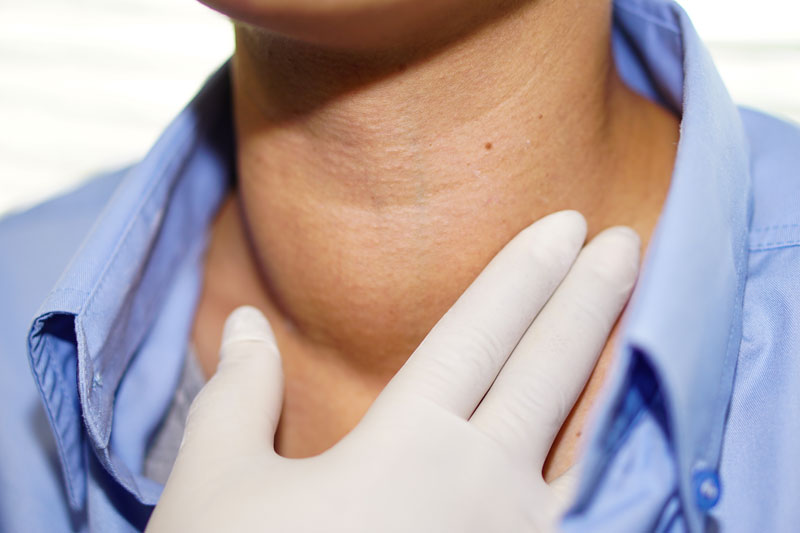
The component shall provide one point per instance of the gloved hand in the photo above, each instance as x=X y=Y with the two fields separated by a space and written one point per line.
x=435 y=452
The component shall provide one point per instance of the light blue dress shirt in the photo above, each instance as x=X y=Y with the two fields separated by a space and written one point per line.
x=698 y=428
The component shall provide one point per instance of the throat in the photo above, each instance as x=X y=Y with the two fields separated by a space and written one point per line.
x=351 y=291
x=358 y=221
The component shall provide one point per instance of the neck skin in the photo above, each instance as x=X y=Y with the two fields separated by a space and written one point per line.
x=374 y=187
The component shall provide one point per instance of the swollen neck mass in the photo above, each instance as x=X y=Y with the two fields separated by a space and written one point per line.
x=374 y=186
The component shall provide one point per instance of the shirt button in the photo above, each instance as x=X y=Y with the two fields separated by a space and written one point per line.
x=706 y=489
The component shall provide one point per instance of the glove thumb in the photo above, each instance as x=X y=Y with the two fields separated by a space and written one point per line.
x=238 y=410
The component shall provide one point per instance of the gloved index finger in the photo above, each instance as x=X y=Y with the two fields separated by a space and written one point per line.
x=461 y=356
x=537 y=388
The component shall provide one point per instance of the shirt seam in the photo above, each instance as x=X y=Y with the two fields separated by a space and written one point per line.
x=774 y=236
x=773 y=227
x=724 y=390
x=776 y=245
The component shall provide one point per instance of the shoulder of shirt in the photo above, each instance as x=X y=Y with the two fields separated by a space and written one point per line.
x=38 y=243
x=774 y=146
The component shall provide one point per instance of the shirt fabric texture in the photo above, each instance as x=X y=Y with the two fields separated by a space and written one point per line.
x=698 y=427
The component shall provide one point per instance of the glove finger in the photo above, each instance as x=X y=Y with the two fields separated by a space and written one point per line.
x=542 y=379
x=237 y=411
x=461 y=356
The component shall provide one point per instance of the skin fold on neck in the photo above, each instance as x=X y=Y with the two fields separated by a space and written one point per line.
x=374 y=185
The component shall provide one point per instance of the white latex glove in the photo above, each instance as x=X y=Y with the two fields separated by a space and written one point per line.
x=435 y=452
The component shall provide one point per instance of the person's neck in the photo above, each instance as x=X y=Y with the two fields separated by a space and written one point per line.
x=373 y=188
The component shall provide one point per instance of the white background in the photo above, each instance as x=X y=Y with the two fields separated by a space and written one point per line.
x=87 y=85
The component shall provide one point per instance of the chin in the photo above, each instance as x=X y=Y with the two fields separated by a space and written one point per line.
x=353 y=24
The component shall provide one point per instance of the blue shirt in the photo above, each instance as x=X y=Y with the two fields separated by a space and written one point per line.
x=698 y=426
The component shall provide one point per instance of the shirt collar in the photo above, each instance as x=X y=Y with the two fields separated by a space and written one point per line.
x=105 y=304
x=683 y=326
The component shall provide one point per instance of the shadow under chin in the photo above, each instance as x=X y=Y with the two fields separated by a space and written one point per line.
x=303 y=63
